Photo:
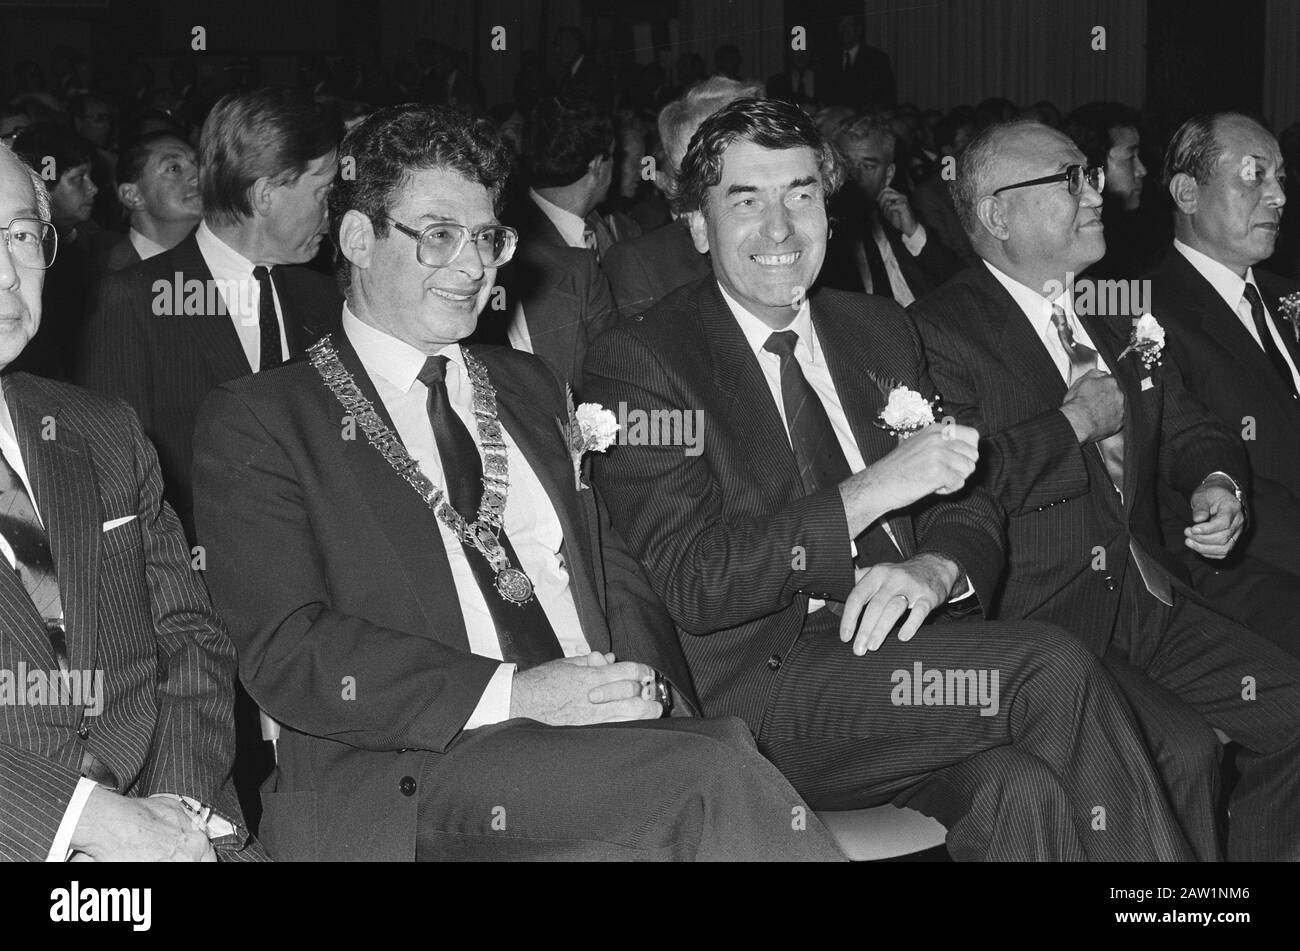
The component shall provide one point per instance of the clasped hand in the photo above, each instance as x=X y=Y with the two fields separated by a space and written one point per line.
x=590 y=688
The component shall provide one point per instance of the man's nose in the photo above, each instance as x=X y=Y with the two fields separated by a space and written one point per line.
x=1089 y=197
x=1141 y=170
x=8 y=269
x=776 y=223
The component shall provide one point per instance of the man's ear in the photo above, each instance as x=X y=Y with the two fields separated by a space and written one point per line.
x=357 y=238
x=260 y=195
x=593 y=167
x=989 y=213
x=663 y=182
x=1185 y=193
x=699 y=231
x=128 y=193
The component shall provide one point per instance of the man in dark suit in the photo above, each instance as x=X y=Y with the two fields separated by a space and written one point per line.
x=419 y=678
x=228 y=300
x=115 y=674
x=1073 y=435
x=859 y=76
x=1239 y=356
x=646 y=269
x=877 y=245
x=568 y=160
x=552 y=302
x=747 y=529
x=158 y=185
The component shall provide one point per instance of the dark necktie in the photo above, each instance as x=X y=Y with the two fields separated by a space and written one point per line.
x=817 y=451
x=1083 y=359
x=270 y=354
x=876 y=264
x=523 y=630
x=1266 y=339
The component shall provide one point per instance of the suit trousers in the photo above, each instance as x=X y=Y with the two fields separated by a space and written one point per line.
x=1051 y=768
x=1240 y=683
x=674 y=789
x=1255 y=593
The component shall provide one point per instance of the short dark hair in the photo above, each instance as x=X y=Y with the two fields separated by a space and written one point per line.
x=561 y=137
x=394 y=141
x=133 y=158
x=860 y=127
x=272 y=132
x=1194 y=149
x=769 y=124
x=1090 y=127
x=41 y=140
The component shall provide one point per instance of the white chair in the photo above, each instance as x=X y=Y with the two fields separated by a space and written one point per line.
x=883 y=832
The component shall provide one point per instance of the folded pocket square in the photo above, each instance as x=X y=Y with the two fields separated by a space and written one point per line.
x=114 y=523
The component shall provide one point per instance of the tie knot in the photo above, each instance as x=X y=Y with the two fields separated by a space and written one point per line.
x=1252 y=296
x=781 y=342
x=261 y=273
x=434 y=371
x=1059 y=319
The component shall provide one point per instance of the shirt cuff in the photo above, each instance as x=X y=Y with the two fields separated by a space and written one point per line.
x=1219 y=472
x=216 y=826
x=964 y=588
x=916 y=243
x=494 y=705
x=60 y=849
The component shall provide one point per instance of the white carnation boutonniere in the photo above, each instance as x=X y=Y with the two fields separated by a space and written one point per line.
x=1290 y=308
x=590 y=428
x=906 y=411
x=1147 y=341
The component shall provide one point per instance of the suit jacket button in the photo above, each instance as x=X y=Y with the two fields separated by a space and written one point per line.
x=774 y=662
x=1111 y=584
x=407 y=785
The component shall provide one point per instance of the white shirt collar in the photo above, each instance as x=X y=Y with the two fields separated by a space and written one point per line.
x=384 y=355
x=570 y=226
x=1036 y=307
x=223 y=261
x=145 y=246
x=1228 y=285
x=756 y=332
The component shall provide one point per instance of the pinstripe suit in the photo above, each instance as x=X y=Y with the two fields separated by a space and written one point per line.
x=132 y=607
x=736 y=550
x=1064 y=518
x=163 y=366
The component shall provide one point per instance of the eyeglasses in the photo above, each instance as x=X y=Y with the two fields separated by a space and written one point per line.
x=442 y=242
x=1075 y=176
x=31 y=242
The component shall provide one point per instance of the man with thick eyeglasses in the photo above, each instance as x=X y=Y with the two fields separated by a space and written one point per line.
x=422 y=588
x=1075 y=427
x=120 y=745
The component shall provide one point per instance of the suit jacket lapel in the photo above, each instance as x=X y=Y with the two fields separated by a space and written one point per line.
x=851 y=366
x=538 y=437
x=410 y=525
x=750 y=411
x=214 y=334
x=1020 y=347
x=67 y=498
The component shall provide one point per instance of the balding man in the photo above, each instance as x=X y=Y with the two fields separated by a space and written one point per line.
x=116 y=676
x=1073 y=433
x=1239 y=353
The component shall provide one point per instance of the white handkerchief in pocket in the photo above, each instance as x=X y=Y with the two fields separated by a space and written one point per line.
x=114 y=523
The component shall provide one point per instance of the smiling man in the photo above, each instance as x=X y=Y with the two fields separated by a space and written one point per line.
x=469 y=674
x=1073 y=435
x=750 y=540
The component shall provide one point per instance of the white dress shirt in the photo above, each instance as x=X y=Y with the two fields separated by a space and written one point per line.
x=902 y=293
x=530 y=518
x=570 y=226
x=517 y=333
x=243 y=295
x=144 y=246
x=1233 y=291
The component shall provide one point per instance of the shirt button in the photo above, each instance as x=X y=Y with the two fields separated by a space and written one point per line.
x=1111 y=584
x=774 y=662
x=407 y=785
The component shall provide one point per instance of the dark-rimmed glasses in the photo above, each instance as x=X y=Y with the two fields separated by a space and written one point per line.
x=442 y=242
x=1074 y=176
x=31 y=242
